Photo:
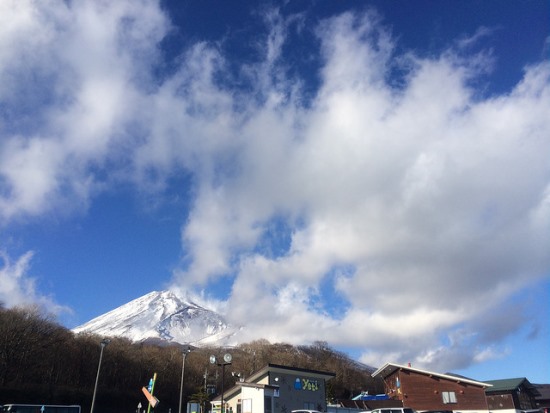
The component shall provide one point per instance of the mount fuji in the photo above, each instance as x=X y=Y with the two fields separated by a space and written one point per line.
x=161 y=316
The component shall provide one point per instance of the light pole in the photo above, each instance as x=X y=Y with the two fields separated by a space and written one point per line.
x=103 y=344
x=226 y=361
x=186 y=350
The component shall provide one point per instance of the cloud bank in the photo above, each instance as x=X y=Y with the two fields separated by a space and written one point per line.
x=396 y=204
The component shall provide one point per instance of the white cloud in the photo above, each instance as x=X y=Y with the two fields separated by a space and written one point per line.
x=434 y=198
x=429 y=192
x=74 y=72
x=17 y=288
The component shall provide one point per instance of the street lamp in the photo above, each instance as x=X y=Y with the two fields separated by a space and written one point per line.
x=103 y=344
x=226 y=361
x=186 y=350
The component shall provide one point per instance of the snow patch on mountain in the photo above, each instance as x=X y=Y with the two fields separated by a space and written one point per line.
x=161 y=315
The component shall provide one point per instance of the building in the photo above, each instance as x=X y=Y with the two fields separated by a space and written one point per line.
x=427 y=390
x=511 y=395
x=277 y=389
x=543 y=401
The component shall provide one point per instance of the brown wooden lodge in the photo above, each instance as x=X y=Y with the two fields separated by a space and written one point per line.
x=426 y=390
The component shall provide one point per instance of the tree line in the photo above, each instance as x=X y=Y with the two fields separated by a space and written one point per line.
x=42 y=362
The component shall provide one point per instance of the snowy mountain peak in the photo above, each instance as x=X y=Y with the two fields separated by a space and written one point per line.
x=162 y=315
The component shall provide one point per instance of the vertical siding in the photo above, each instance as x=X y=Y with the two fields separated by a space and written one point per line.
x=424 y=392
x=500 y=401
x=519 y=399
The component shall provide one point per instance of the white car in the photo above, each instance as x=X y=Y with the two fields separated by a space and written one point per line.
x=305 y=411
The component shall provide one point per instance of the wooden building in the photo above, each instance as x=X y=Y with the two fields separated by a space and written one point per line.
x=511 y=395
x=427 y=390
x=543 y=400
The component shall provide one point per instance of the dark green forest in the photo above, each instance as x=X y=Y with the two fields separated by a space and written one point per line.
x=42 y=362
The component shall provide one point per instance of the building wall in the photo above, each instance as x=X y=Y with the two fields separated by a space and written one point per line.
x=525 y=399
x=519 y=400
x=252 y=400
x=428 y=392
x=505 y=411
x=249 y=400
x=283 y=393
x=500 y=401
x=298 y=391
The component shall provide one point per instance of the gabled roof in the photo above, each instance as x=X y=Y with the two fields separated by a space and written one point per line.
x=390 y=368
x=512 y=385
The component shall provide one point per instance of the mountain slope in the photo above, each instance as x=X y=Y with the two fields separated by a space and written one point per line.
x=161 y=315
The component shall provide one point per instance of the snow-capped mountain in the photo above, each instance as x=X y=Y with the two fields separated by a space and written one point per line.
x=161 y=315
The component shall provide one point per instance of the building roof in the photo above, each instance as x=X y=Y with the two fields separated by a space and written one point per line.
x=544 y=390
x=277 y=368
x=504 y=385
x=238 y=388
x=390 y=368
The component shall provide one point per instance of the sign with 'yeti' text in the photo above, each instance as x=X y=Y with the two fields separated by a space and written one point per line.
x=306 y=384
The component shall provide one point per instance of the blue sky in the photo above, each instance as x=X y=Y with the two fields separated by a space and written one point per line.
x=371 y=174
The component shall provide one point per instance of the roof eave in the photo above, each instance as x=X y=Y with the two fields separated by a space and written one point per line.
x=394 y=367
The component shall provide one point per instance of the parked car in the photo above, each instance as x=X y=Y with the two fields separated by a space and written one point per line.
x=305 y=411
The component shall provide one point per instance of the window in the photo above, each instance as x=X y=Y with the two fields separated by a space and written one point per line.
x=309 y=406
x=268 y=404
x=448 y=397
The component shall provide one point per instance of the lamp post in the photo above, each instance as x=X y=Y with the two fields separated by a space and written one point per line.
x=103 y=344
x=186 y=350
x=226 y=361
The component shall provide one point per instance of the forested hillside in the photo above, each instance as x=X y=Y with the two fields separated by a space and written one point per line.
x=43 y=362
